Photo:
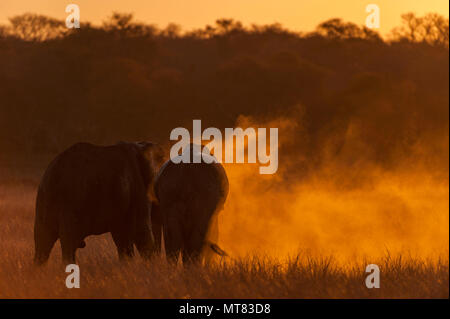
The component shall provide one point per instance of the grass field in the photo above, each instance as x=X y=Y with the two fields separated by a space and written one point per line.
x=103 y=276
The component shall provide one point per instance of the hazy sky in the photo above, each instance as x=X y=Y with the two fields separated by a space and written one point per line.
x=299 y=15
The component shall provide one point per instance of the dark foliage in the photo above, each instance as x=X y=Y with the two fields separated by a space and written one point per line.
x=364 y=98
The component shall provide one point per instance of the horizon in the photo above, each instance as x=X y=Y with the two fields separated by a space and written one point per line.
x=294 y=15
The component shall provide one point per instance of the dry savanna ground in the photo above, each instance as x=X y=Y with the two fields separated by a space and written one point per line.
x=103 y=276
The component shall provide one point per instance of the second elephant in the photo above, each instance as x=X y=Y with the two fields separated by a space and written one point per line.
x=189 y=196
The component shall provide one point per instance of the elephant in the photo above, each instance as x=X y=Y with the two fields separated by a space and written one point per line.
x=188 y=198
x=92 y=190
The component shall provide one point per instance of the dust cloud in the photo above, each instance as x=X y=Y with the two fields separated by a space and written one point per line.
x=334 y=208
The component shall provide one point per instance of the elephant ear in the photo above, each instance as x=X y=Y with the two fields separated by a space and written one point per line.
x=154 y=155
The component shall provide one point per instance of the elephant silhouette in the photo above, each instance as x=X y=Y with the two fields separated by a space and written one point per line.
x=188 y=198
x=91 y=190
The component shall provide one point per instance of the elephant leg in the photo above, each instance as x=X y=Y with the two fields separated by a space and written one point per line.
x=213 y=237
x=142 y=232
x=124 y=245
x=43 y=243
x=193 y=244
x=144 y=242
x=69 y=235
x=68 y=247
x=173 y=237
x=156 y=218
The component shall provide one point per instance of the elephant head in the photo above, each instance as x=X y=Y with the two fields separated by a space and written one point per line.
x=189 y=196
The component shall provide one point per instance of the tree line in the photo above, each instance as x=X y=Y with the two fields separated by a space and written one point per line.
x=348 y=90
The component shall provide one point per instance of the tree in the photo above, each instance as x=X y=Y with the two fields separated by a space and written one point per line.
x=171 y=31
x=431 y=28
x=228 y=25
x=338 y=29
x=123 y=25
x=33 y=27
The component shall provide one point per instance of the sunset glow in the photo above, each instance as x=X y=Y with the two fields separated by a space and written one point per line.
x=224 y=149
x=299 y=15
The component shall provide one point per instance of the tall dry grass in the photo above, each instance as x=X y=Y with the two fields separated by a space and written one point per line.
x=103 y=276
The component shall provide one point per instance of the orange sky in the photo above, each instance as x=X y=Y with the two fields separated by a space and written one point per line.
x=300 y=15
